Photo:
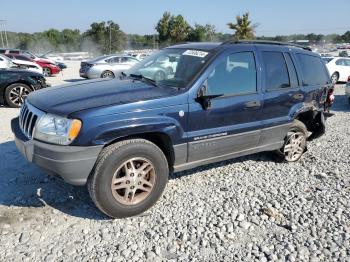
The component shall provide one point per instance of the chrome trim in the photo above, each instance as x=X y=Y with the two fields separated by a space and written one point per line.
x=28 y=117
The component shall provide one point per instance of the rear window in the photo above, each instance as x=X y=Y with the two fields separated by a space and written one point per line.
x=313 y=70
x=276 y=72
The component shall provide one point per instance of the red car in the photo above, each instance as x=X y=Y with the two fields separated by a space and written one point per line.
x=49 y=68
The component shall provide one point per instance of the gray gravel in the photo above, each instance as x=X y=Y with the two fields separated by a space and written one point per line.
x=248 y=209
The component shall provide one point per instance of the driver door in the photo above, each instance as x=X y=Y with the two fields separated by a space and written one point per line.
x=231 y=122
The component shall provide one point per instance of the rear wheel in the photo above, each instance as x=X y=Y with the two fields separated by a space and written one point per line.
x=15 y=94
x=295 y=142
x=129 y=178
x=47 y=71
x=335 y=78
x=107 y=74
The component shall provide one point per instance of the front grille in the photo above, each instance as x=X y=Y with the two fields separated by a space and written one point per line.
x=28 y=117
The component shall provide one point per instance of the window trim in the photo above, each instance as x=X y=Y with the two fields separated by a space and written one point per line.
x=295 y=69
x=303 y=84
x=256 y=76
x=267 y=90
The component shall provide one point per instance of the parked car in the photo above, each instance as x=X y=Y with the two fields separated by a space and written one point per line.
x=16 y=84
x=9 y=51
x=347 y=89
x=5 y=62
x=123 y=137
x=31 y=66
x=53 y=57
x=108 y=66
x=339 y=69
x=49 y=68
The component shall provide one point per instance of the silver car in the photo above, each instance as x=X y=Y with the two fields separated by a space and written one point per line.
x=108 y=66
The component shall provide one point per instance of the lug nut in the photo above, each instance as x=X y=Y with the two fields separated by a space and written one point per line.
x=132 y=187
x=127 y=182
x=139 y=183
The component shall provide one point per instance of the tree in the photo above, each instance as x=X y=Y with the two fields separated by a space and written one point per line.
x=108 y=37
x=244 y=29
x=163 y=27
x=179 y=29
x=202 y=33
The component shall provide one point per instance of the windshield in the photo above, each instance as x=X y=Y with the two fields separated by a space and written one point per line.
x=171 y=67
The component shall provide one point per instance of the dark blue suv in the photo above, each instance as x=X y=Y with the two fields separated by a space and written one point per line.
x=182 y=107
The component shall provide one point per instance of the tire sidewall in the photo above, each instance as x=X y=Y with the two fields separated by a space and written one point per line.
x=8 y=90
x=107 y=169
x=297 y=126
x=107 y=71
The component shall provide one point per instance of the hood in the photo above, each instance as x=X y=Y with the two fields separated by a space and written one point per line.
x=67 y=99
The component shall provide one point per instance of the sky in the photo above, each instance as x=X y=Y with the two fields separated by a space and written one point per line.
x=273 y=17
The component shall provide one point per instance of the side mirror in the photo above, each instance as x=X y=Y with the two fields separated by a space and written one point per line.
x=204 y=98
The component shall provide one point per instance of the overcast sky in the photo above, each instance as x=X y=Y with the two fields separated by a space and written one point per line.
x=139 y=16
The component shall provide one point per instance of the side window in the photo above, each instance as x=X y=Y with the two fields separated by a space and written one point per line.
x=234 y=75
x=313 y=70
x=347 y=62
x=292 y=72
x=340 y=62
x=276 y=72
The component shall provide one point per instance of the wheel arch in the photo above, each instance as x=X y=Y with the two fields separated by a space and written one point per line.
x=160 y=139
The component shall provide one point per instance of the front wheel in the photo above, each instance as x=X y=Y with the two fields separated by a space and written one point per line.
x=129 y=178
x=295 y=142
x=46 y=71
x=15 y=94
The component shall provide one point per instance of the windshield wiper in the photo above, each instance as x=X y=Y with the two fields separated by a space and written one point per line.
x=146 y=79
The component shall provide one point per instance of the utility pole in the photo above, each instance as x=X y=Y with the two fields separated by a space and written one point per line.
x=3 y=33
x=110 y=39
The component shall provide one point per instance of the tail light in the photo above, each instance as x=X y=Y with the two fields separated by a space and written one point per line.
x=348 y=78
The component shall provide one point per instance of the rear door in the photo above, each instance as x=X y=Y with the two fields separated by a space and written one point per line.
x=282 y=91
x=232 y=121
x=315 y=79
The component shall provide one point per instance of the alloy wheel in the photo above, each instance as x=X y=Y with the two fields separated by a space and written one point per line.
x=133 y=181
x=108 y=74
x=294 y=146
x=18 y=94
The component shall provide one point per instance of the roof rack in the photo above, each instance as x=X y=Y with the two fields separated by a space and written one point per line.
x=263 y=42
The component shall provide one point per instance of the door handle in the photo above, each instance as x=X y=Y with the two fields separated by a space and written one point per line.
x=252 y=104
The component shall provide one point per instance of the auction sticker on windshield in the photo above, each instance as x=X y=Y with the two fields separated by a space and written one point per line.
x=196 y=53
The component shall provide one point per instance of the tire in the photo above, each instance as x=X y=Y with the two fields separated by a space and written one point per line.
x=107 y=74
x=112 y=166
x=335 y=78
x=159 y=76
x=295 y=142
x=15 y=94
x=47 y=71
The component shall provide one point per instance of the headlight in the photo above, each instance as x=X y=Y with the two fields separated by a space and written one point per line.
x=57 y=130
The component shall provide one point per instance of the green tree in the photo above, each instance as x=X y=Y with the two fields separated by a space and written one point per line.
x=202 y=33
x=108 y=37
x=244 y=29
x=179 y=29
x=163 y=27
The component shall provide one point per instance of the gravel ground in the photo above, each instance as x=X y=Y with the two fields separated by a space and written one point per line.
x=247 y=209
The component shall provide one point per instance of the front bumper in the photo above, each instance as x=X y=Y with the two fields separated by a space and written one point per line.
x=72 y=163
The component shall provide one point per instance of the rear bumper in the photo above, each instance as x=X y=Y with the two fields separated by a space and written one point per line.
x=72 y=163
